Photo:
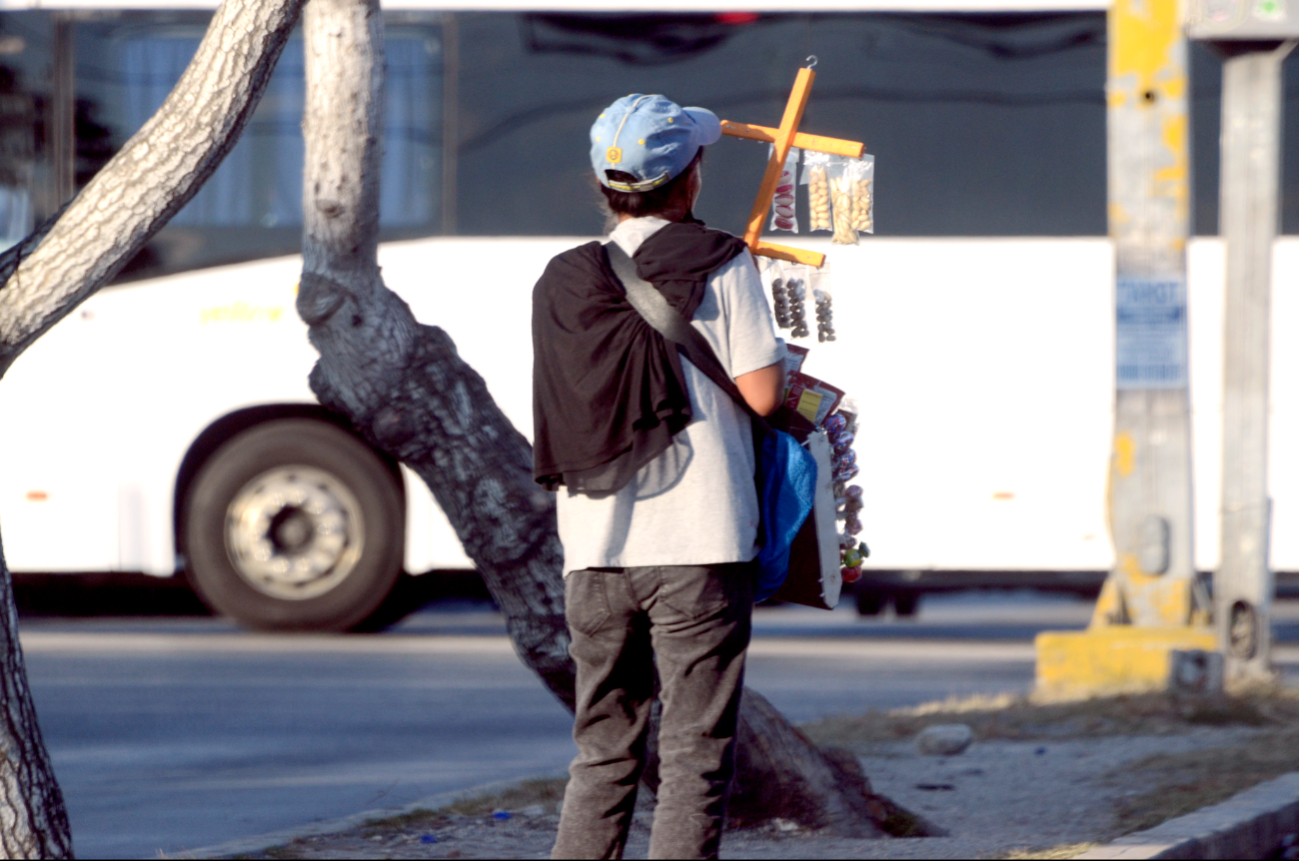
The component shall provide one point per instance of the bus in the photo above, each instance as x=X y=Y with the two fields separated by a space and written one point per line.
x=166 y=425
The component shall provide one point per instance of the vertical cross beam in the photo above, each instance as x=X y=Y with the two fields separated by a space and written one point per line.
x=784 y=139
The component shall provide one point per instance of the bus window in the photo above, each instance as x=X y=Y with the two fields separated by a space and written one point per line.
x=252 y=205
x=22 y=36
x=983 y=125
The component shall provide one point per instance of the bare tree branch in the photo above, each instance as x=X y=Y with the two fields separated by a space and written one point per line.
x=156 y=173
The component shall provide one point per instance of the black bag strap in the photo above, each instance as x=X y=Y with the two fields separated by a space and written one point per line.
x=668 y=322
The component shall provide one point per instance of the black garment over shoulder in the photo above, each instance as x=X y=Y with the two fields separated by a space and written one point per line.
x=608 y=391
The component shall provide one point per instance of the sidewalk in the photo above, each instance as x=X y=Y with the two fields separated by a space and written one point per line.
x=1064 y=789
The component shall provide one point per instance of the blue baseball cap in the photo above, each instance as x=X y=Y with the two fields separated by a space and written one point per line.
x=650 y=137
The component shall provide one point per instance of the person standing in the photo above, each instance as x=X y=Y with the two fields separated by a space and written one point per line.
x=653 y=464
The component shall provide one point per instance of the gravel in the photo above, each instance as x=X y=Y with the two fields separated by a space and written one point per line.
x=998 y=798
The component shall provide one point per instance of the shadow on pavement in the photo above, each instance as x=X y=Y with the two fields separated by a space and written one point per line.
x=119 y=594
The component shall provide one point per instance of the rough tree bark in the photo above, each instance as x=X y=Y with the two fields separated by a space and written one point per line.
x=66 y=260
x=408 y=392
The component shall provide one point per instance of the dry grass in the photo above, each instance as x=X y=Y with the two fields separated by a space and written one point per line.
x=1064 y=850
x=1029 y=718
x=544 y=793
x=1149 y=791
x=1173 y=785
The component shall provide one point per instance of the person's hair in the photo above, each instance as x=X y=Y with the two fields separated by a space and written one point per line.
x=668 y=196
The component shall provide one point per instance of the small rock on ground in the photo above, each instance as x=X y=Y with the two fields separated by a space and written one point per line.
x=945 y=739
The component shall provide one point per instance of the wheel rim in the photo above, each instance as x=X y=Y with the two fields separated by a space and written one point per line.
x=294 y=532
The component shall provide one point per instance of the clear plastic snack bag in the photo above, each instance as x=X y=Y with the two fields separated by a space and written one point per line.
x=862 y=173
x=796 y=281
x=818 y=190
x=842 y=184
x=819 y=282
x=783 y=210
x=775 y=276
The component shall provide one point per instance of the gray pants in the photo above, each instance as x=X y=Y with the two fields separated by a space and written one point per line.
x=692 y=623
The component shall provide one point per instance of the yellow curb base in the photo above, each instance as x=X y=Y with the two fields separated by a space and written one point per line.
x=1117 y=659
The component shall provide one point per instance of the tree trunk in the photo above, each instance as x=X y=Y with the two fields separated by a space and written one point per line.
x=402 y=383
x=408 y=392
x=33 y=818
x=66 y=260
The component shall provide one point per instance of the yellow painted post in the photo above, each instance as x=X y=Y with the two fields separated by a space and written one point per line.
x=1152 y=585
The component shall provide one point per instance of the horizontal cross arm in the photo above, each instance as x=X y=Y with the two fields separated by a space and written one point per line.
x=793 y=255
x=815 y=143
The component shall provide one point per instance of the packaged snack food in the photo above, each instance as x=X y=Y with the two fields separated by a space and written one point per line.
x=783 y=210
x=818 y=190
x=849 y=410
x=811 y=398
x=841 y=189
x=794 y=356
x=824 y=312
x=795 y=294
x=847 y=473
x=862 y=173
x=780 y=302
x=773 y=274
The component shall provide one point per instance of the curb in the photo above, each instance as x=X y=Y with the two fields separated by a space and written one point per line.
x=1250 y=824
x=261 y=842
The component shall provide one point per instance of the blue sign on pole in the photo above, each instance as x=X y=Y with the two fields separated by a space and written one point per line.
x=1151 y=349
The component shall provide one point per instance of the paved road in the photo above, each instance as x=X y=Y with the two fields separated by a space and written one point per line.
x=171 y=734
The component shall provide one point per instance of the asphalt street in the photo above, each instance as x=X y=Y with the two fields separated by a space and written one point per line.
x=172 y=734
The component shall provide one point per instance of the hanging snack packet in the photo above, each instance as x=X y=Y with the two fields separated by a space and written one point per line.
x=795 y=297
x=862 y=172
x=794 y=357
x=774 y=276
x=820 y=283
x=818 y=190
x=811 y=398
x=841 y=189
x=783 y=215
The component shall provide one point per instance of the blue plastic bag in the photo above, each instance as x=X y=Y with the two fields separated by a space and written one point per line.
x=786 y=479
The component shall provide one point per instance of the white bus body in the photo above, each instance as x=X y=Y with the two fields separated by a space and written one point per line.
x=986 y=388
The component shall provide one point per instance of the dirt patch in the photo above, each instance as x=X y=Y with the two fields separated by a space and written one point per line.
x=1066 y=850
x=1042 y=780
x=1179 y=783
x=1019 y=718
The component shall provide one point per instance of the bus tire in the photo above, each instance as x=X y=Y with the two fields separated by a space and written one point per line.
x=906 y=604
x=294 y=524
x=870 y=602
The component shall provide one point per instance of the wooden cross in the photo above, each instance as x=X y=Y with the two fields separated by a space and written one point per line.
x=783 y=138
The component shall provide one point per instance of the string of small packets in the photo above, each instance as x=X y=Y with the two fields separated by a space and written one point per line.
x=840 y=200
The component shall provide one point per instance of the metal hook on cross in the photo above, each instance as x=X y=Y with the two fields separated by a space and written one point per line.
x=782 y=138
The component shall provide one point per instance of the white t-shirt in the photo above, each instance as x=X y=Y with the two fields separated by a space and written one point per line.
x=710 y=514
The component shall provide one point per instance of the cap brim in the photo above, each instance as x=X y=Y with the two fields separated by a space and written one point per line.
x=710 y=127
